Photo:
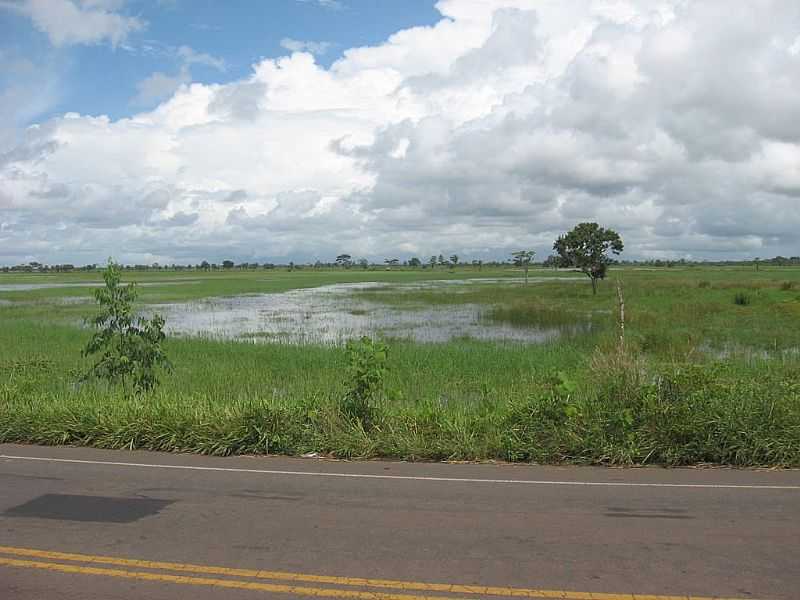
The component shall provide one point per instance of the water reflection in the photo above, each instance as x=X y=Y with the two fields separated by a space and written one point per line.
x=334 y=314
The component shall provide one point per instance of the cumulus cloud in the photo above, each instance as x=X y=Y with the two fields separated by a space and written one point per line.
x=329 y=4
x=68 y=22
x=307 y=46
x=189 y=56
x=159 y=86
x=499 y=127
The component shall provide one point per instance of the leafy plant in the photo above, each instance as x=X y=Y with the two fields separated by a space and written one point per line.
x=742 y=299
x=367 y=365
x=130 y=346
x=523 y=258
x=586 y=247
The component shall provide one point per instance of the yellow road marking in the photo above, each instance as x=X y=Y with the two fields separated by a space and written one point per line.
x=206 y=581
x=298 y=577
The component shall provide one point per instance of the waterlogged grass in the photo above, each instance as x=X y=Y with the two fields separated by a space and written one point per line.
x=701 y=379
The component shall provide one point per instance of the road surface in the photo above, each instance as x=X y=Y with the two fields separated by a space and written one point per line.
x=87 y=524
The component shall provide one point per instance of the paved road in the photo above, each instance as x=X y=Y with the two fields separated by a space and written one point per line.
x=87 y=524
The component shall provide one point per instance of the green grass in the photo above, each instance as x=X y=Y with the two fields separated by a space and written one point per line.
x=703 y=379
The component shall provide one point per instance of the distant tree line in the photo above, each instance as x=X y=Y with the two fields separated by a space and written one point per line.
x=521 y=258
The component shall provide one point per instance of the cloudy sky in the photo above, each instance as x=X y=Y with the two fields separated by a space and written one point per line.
x=183 y=130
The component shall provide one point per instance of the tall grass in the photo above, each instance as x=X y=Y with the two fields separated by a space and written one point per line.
x=679 y=395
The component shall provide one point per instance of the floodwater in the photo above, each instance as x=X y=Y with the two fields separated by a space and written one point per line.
x=333 y=314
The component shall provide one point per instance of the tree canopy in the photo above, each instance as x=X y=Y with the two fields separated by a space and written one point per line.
x=587 y=248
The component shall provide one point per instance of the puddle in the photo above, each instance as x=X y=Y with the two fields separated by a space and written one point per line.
x=749 y=355
x=333 y=314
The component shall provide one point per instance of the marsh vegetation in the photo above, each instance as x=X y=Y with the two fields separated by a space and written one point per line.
x=703 y=377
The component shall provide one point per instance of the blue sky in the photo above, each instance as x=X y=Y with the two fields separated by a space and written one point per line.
x=100 y=79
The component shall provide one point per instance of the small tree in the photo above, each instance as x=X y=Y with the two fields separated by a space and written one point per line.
x=586 y=247
x=344 y=260
x=432 y=262
x=523 y=258
x=392 y=262
x=414 y=262
x=454 y=260
x=130 y=346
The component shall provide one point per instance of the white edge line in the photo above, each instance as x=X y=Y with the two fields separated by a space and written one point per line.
x=404 y=477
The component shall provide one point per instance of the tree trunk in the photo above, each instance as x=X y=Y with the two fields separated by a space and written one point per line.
x=594 y=286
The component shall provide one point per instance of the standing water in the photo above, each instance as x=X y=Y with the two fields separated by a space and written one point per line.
x=333 y=314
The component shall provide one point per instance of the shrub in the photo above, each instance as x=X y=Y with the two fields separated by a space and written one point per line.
x=787 y=286
x=742 y=299
x=366 y=370
x=130 y=346
x=704 y=284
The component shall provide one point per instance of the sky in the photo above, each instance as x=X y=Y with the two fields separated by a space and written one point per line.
x=176 y=131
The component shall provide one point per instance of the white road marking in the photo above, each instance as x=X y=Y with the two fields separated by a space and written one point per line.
x=722 y=486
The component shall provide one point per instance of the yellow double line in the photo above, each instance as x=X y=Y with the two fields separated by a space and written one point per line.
x=200 y=573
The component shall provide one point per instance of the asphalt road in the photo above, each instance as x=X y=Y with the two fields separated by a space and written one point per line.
x=158 y=526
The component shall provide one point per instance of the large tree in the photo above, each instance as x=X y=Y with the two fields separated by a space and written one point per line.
x=587 y=248
x=344 y=260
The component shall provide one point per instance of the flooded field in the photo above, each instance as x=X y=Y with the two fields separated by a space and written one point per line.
x=333 y=314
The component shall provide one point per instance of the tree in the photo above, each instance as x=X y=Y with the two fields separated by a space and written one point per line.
x=523 y=258
x=414 y=262
x=227 y=264
x=454 y=260
x=363 y=263
x=344 y=260
x=432 y=262
x=130 y=346
x=391 y=262
x=586 y=247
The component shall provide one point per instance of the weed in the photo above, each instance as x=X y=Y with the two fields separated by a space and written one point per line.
x=367 y=361
x=130 y=347
x=742 y=299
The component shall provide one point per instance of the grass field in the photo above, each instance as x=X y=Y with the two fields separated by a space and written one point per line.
x=710 y=372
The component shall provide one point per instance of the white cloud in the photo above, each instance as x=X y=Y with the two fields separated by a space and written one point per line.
x=498 y=127
x=191 y=57
x=307 y=46
x=329 y=4
x=68 y=22
x=159 y=86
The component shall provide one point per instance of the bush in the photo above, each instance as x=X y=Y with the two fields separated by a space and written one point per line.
x=787 y=286
x=130 y=346
x=366 y=370
x=704 y=284
x=742 y=299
